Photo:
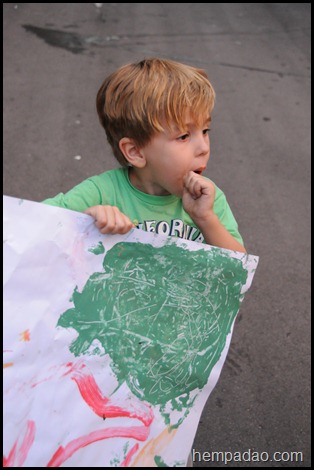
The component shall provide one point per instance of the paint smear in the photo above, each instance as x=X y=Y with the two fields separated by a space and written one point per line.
x=25 y=336
x=153 y=448
x=105 y=407
x=7 y=364
x=139 y=433
x=98 y=249
x=21 y=447
x=162 y=314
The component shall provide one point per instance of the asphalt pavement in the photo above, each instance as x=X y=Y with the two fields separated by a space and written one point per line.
x=257 y=56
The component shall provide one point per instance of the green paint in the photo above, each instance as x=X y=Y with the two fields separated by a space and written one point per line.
x=98 y=249
x=162 y=315
x=159 y=462
x=184 y=402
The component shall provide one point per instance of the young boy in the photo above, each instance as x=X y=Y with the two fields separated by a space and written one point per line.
x=157 y=114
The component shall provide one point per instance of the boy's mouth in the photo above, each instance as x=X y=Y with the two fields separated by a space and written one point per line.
x=199 y=171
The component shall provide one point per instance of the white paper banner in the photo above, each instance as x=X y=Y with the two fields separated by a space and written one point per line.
x=112 y=343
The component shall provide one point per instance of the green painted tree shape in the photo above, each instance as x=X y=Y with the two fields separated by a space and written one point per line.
x=162 y=314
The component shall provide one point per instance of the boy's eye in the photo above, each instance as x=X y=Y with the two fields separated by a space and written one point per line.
x=183 y=137
x=206 y=131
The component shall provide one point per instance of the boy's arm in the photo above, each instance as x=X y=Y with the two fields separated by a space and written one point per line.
x=216 y=234
x=198 y=201
x=86 y=197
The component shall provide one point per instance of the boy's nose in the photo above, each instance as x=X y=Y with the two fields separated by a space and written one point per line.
x=202 y=147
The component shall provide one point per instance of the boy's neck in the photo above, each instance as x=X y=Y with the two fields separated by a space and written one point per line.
x=141 y=180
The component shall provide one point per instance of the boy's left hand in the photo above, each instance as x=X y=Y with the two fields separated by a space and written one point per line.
x=198 y=196
x=198 y=201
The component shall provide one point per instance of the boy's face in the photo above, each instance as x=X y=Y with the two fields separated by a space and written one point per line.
x=171 y=154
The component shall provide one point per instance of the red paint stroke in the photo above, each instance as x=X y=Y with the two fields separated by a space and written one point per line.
x=103 y=406
x=129 y=456
x=70 y=368
x=18 y=455
x=63 y=453
x=25 y=335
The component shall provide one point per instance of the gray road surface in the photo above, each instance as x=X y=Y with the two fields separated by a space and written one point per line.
x=258 y=58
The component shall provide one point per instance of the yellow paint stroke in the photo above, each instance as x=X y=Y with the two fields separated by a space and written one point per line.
x=154 y=447
x=25 y=335
x=7 y=364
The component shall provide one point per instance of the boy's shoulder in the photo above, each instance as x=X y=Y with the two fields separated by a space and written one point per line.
x=110 y=177
x=115 y=173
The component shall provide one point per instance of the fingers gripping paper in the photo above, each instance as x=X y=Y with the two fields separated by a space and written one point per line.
x=112 y=343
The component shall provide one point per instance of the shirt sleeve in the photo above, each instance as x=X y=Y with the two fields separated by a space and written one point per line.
x=225 y=215
x=79 y=198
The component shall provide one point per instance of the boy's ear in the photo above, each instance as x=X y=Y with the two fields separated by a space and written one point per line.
x=132 y=152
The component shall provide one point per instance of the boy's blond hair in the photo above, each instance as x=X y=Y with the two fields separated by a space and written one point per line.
x=141 y=99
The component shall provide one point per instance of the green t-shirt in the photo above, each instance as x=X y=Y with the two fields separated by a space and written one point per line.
x=159 y=214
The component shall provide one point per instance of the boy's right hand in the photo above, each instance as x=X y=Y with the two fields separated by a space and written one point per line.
x=109 y=219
